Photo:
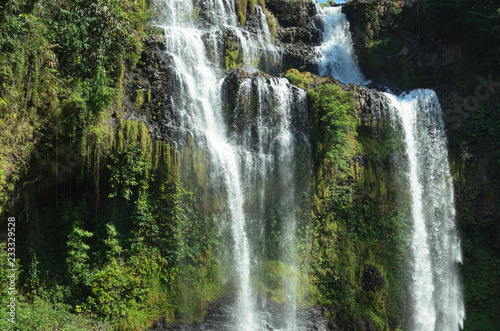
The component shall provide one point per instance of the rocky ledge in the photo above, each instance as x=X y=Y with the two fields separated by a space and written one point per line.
x=219 y=315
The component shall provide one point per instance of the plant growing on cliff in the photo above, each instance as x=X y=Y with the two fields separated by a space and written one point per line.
x=60 y=62
x=78 y=258
x=335 y=110
x=128 y=168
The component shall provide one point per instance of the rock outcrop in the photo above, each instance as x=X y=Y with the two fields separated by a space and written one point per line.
x=147 y=89
x=298 y=30
x=392 y=48
x=291 y=13
x=219 y=313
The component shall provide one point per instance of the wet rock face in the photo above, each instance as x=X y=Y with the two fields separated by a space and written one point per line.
x=219 y=313
x=307 y=35
x=290 y=13
x=146 y=89
x=299 y=56
x=398 y=23
x=229 y=91
x=364 y=326
x=297 y=37
x=232 y=58
x=256 y=105
x=430 y=52
x=368 y=100
x=296 y=20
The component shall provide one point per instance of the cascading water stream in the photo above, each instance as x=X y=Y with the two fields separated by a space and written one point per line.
x=336 y=54
x=437 y=303
x=257 y=164
x=275 y=138
x=197 y=106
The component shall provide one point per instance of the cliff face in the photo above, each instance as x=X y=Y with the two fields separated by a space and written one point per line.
x=126 y=191
x=399 y=44
x=394 y=49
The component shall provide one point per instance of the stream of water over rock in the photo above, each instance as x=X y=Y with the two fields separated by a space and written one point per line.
x=259 y=151
x=435 y=288
x=261 y=158
x=436 y=294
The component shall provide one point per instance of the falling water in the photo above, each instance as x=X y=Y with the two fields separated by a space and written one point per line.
x=437 y=302
x=435 y=289
x=256 y=161
x=336 y=53
x=276 y=136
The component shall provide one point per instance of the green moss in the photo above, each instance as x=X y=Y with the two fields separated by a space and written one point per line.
x=301 y=79
x=196 y=13
x=233 y=58
x=121 y=86
x=480 y=246
x=129 y=131
x=276 y=274
x=358 y=221
x=139 y=98
x=241 y=10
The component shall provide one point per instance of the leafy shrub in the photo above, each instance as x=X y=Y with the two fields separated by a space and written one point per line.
x=336 y=121
x=78 y=258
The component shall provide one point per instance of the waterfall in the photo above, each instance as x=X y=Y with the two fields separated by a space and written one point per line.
x=255 y=160
x=336 y=55
x=435 y=289
x=276 y=135
x=437 y=302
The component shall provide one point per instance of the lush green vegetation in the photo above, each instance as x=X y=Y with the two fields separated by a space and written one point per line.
x=358 y=224
x=476 y=150
x=133 y=239
x=139 y=249
x=131 y=244
x=467 y=32
x=60 y=67
x=473 y=140
x=474 y=22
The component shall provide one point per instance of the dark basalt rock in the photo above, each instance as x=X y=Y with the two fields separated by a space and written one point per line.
x=372 y=278
x=301 y=23
x=363 y=326
x=232 y=54
x=233 y=80
x=368 y=99
x=289 y=13
x=219 y=315
x=307 y=35
x=312 y=9
x=146 y=89
x=298 y=38
x=430 y=52
x=428 y=58
x=299 y=56
x=253 y=22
